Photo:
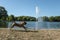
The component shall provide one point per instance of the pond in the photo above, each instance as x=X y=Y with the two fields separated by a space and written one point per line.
x=40 y=25
x=32 y=25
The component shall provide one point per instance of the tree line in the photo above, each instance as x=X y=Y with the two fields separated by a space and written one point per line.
x=51 y=18
x=29 y=18
x=20 y=18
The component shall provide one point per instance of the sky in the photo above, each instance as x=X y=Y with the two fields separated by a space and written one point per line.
x=28 y=7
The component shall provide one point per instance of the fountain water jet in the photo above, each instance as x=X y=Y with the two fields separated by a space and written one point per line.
x=37 y=12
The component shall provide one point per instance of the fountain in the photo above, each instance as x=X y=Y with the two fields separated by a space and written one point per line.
x=38 y=19
x=37 y=12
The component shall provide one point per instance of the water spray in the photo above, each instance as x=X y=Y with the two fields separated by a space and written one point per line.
x=37 y=12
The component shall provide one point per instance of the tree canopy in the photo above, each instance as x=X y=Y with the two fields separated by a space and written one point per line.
x=21 y=18
x=3 y=13
x=3 y=16
x=51 y=18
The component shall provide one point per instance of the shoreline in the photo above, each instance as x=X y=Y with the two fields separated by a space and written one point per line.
x=29 y=29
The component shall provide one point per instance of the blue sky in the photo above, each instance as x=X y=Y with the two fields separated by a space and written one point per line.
x=27 y=7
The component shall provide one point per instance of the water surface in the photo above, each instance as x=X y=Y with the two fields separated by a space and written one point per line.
x=40 y=25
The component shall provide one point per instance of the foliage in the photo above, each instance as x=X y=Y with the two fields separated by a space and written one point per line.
x=51 y=18
x=21 y=18
x=29 y=18
x=3 y=17
x=11 y=18
x=45 y=18
x=3 y=13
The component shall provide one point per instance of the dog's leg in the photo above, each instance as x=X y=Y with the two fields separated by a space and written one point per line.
x=12 y=26
x=25 y=28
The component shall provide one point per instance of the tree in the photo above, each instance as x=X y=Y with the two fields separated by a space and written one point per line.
x=45 y=18
x=3 y=16
x=51 y=19
x=11 y=18
x=57 y=18
x=3 y=13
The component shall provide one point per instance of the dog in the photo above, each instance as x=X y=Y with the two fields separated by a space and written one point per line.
x=19 y=25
